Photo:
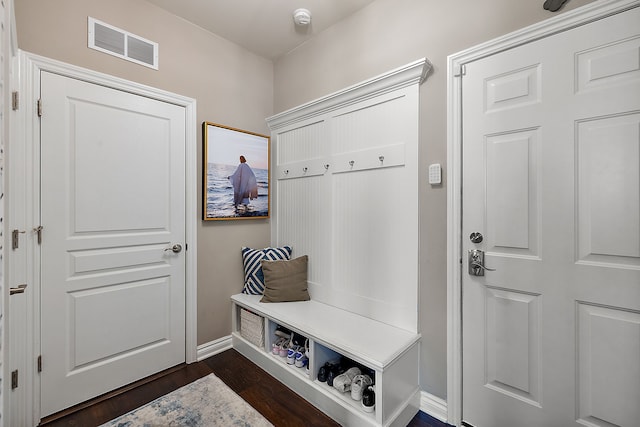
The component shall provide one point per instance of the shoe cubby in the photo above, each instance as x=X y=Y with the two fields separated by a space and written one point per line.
x=284 y=342
x=328 y=359
x=387 y=354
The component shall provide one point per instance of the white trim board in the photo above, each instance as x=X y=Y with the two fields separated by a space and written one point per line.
x=455 y=63
x=214 y=347
x=414 y=72
x=25 y=161
x=433 y=406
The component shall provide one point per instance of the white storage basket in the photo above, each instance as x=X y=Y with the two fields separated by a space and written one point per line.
x=252 y=327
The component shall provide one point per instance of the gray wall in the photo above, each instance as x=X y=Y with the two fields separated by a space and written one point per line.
x=383 y=36
x=231 y=86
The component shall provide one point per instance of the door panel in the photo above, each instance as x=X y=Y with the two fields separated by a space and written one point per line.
x=551 y=157
x=512 y=188
x=149 y=299
x=609 y=189
x=134 y=155
x=608 y=337
x=113 y=202
x=513 y=358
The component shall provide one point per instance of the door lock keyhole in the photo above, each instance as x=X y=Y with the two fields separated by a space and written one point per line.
x=476 y=237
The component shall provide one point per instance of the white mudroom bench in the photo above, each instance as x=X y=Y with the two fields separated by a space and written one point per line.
x=392 y=353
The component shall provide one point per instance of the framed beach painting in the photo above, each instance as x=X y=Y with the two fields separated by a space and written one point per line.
x=235 y=173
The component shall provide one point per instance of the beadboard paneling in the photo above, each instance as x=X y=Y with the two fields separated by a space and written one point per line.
x=346 y=184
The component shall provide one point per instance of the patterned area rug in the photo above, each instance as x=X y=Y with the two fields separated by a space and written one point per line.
x=206 y=402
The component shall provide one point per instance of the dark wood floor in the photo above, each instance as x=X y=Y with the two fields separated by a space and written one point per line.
x=272 y=399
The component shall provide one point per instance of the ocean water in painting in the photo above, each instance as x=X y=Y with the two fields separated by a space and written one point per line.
x=220 y=193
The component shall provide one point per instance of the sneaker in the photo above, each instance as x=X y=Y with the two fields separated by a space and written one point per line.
x=322 y=373
x=301 y=359
x=275 y=347
x=282 y=334
x=331 y=376
x=283 y=350
x=368 y=399
x=291 y=356
x=359 y=383
x=343 y=382
x=326 y=369
x=278 y=345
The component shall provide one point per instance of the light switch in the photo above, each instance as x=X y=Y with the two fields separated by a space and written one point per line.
x=435 y=174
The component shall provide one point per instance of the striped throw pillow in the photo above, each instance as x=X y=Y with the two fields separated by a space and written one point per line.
x=253 y=276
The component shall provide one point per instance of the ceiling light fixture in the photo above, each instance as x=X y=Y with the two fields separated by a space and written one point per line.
x=302 y=17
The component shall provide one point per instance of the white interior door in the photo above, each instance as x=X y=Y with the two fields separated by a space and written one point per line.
x=112 y=203
x=551 y=179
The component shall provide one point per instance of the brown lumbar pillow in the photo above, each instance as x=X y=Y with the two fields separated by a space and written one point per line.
x=285 y=280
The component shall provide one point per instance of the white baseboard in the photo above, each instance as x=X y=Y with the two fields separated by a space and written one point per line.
x=212 y=348
x=434 y=406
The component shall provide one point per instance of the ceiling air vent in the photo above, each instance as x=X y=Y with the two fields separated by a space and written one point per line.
x=114 y=41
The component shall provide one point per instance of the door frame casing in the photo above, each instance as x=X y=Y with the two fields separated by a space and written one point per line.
x=455 y=263
x=24 y=199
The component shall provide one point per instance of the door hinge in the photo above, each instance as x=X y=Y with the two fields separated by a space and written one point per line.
x=460 y=71
x=40 y=363
x=18 y=289
x=15 y=100
x=14 y=379
x=15 y=239
x=40 y=107
x=38 y=231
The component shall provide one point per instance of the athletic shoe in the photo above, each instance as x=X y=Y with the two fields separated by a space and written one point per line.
x=301 y=359
x=342 y=382
x=284 y=347
x=291 y=355
x=331 y=376
x=359 y=383
x=326 y=369
x=368 y=399
x=322 y=373
x=275 y=348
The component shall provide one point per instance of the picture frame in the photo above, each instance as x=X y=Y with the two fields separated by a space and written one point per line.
x=235 y=173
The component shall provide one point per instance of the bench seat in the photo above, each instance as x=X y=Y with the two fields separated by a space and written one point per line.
x=391 y=352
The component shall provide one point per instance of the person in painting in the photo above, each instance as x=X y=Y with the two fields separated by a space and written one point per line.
x=245 y=186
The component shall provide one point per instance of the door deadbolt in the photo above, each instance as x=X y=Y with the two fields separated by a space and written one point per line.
x=476 y=237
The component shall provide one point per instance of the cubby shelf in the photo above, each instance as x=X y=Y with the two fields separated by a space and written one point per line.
x=297 y=371
x=389 y=352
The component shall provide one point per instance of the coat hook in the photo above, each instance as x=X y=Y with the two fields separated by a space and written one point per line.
x=305 y=169
x=326 y=167
x=351 y=162
x=286 y=172
x=381 y=158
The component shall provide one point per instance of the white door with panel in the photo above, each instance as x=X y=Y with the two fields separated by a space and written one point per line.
x=551 y=180
x=113 y=217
